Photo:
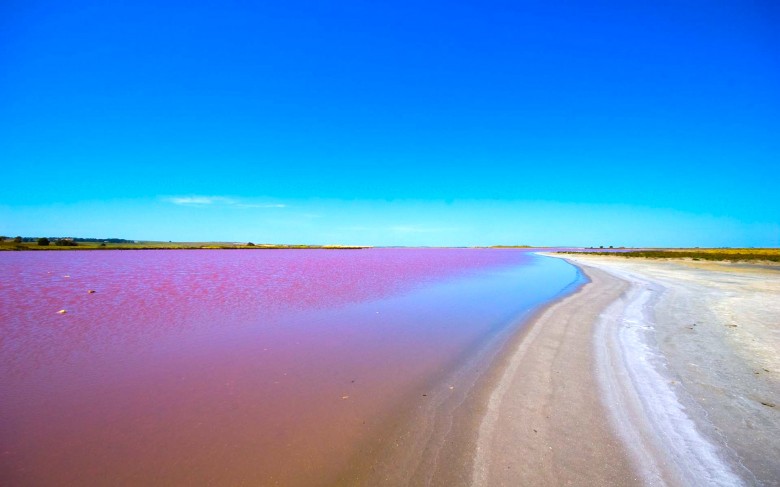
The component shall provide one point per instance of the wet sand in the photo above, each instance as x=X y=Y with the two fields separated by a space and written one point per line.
x=655 y=373
x=545 y=424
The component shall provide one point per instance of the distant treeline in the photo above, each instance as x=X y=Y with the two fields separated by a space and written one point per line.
x=733 y=255
x=78 y=239
x=79 y=243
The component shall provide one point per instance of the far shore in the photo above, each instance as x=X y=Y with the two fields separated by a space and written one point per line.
x=10 y=245
x=769 y=256
x=752 y=255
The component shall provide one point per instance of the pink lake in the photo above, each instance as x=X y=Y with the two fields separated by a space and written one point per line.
x=238 y=367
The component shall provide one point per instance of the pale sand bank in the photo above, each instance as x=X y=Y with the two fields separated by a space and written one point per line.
x=656 y=373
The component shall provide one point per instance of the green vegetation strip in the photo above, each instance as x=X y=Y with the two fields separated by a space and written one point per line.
x=60 y=244
x=731 y=255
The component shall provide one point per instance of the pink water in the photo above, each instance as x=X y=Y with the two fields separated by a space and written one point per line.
x=248 y=367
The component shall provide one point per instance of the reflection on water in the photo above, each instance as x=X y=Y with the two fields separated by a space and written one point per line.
x=255 y=366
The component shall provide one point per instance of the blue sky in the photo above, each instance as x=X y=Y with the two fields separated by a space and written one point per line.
x=393 y=123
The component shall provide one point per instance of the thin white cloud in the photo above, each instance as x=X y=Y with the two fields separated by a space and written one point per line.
x=198 y=200
x=194 y=200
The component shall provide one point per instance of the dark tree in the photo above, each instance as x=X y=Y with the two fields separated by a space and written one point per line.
x=250 y=244
x=43 y=241
x=18 y=240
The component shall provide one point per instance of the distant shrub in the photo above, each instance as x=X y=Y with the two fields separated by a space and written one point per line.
x=250 y=244
x=64 y=242
x=17 y=239
x=737 y=255
x=43 y=242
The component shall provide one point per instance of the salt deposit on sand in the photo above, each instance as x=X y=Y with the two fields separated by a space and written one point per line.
x=687 y=362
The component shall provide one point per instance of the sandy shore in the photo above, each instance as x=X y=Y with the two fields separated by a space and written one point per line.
x=655 y=373
x=545 y=424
